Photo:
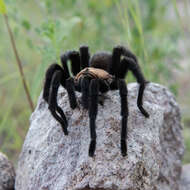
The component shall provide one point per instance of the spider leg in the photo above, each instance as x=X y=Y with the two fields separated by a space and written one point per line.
x=74 y=57
x=116 y=55
x=49 y=74
x=84 y=56
x=64 y=59
x=124 y=114
x=75 y=62
x=123 y=69
x=139 y=100
x=104 y=86
x=55 y=76
x=84 y=83
x=70 y=87
x=93 y=109
x=118 y=69
x=134 y=67
x=52 y=101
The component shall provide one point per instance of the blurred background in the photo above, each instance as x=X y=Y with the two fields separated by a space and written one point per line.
x=156 y=31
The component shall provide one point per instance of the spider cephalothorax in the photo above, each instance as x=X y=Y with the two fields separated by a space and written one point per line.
x=94 y=73
x=102 y=72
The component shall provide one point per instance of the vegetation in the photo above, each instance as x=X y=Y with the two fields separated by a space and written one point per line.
x=44 y=29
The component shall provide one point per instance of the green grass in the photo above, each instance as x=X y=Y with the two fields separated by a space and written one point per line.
x=45 y=29
x=186 y=134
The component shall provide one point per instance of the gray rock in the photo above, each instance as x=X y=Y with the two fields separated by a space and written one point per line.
x=51 y=161
x=185 y=177
x=7 y=173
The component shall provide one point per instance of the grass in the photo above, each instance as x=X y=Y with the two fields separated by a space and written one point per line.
x=42 y=35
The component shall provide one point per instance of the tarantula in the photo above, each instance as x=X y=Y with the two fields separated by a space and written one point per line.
x=102 y=72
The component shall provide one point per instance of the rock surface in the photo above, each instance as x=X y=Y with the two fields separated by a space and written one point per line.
x=185 y=177
x=7 y=173
x=51 y=161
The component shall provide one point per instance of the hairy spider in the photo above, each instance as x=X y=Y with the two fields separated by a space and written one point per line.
x=102 y=72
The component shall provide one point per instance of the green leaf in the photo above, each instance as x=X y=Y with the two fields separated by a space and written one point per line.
x=26 y=24
x=3 y=9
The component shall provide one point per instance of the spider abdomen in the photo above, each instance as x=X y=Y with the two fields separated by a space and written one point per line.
x=101 y=60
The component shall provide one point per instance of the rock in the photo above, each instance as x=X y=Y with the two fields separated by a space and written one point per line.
x=7 y=173
x=51 y=161
x=185 y=177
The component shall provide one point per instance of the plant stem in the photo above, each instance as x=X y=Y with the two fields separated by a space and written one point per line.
x=19 y=63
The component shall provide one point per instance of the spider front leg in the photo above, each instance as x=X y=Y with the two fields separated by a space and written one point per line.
x=84 y=56
x=93 y=109
x=124 y=114
x=48 y=78
x=85 y=83
x=52 y=101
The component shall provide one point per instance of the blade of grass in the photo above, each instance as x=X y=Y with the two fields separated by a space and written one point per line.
x=138 y=11
x=128 y=28
x=19 y=63
x=135 y=13
x=178 y=14
x=125 y=21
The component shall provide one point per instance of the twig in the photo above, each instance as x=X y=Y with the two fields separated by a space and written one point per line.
x=19 y=63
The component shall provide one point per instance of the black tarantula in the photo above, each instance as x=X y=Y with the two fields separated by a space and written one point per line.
x=102 y=72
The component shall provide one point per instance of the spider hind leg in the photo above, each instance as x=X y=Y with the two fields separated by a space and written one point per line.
x=134 y=67
x=120 y=69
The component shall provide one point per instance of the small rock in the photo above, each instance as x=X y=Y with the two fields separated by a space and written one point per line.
x=185 y=178
x=7 y=173
x=52 y=161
